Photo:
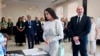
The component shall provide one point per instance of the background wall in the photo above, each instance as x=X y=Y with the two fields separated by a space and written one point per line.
x=15 y=10
x=0 y=10
x=93 y=10
x=69 y=8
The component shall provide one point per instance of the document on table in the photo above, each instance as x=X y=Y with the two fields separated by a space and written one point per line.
x=34 y=52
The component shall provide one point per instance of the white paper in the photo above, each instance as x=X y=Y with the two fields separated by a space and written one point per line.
x=39 y=53
x=34 y=52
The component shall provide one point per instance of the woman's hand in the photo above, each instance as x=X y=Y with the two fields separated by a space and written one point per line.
x=47 y=41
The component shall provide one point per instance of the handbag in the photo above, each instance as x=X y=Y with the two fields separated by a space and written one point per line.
x=61 y=44
x=61 y=49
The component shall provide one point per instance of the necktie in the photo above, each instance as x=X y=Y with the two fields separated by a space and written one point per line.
x=78 y=19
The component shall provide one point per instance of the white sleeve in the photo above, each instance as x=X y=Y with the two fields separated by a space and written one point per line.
x=44 y=38
x=59 y=31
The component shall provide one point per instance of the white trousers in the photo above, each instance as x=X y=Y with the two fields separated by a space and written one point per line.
x=92 y=46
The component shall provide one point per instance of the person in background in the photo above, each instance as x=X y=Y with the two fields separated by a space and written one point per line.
x=23 y=18
x=42 y=20
x=3 y=25
x=39 y=30
x=31 y=32
x=63 y=22
x=64 y=28
x=67 y=33
x=79 y=28
x=10 y=28
x=53 y=32
x=92 y=37
x=20 y=33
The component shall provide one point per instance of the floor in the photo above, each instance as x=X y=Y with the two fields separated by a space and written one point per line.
x=67 y=45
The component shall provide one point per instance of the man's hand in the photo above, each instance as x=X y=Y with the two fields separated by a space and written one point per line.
x=76 y=38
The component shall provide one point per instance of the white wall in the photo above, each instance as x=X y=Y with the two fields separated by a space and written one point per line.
x=0 y=11
x=69 y=8
x=65 y=10
x=72 y=5
x=59 y=11
x=15 y=10
x=93 y=8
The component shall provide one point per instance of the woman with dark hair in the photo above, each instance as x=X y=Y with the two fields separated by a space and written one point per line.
x=20 y=32
x=3 y=25
x=53 y=31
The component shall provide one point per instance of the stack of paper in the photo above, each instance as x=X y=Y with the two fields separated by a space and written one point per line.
x=33 y=52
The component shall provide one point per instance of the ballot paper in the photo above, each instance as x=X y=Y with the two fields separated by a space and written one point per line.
x=34 y=52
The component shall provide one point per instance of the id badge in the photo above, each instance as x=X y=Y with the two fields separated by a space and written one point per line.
x=29 y=26
x=37 y=24
x=20 y=27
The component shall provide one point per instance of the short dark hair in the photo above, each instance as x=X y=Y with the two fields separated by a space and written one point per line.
x=3 y=19
x=19 y=19
x=51 y=12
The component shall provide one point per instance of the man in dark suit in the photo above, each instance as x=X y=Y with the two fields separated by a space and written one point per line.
x=30 y=31
x=38 y=37
x=79 y=28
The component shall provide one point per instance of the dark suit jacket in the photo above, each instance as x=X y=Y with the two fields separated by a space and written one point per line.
x=38 y=25
x=31 y=30
x=82 y=29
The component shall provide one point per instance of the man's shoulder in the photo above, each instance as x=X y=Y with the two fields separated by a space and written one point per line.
x=83 y=16
x=86 y=16
x=74 y=17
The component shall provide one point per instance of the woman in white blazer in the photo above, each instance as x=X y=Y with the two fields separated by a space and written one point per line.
x=53 y=31
x=93 y=37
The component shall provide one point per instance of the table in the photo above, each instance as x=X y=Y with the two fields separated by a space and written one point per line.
x=21 y=52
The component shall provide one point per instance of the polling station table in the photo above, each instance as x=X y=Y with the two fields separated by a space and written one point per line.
x=28 y=52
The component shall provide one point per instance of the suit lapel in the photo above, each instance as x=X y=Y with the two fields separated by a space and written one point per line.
x=76 y=19
x=81 y=21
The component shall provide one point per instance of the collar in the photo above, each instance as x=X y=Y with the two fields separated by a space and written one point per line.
x=80 y=16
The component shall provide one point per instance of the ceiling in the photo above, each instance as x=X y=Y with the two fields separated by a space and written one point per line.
x=38 y=2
